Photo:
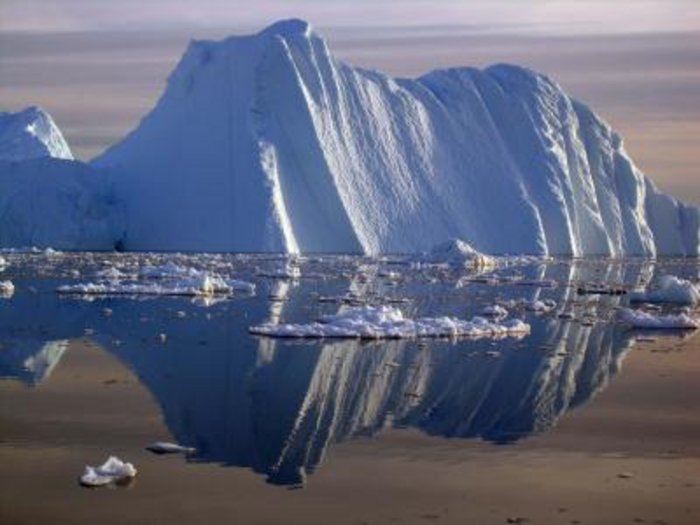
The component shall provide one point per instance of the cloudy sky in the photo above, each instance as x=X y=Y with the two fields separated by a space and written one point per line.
x=99 y=65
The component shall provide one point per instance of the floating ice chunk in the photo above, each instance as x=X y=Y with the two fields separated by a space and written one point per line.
x=456 y=252
x=202 y=285
x=112 y=274
x=287 y=271
x=112 y=470
x=386 y=322
x=168 y=270
x=639 y=319
x=165 y=447
x=544 y=306
x=3 y=263
x=537 y=305
x=670 y=289
x=496 y=311
x=7 y=289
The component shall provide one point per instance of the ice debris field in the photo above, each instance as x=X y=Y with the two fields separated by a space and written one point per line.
x=268 y=143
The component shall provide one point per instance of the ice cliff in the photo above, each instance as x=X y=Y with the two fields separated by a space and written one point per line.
x=31 y=134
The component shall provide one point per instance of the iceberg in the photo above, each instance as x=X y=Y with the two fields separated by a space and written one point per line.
x=387 y=322
x=114 y=470
x=31 y=134
x=267 y=142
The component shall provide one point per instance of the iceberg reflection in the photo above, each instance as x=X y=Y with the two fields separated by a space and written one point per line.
x=277 y=406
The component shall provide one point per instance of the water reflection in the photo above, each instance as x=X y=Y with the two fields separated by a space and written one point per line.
x=276 y=406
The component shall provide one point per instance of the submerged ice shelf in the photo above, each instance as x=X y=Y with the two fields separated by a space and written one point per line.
x=267 y=142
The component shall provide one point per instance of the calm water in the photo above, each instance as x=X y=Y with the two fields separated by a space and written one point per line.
x=277 y=406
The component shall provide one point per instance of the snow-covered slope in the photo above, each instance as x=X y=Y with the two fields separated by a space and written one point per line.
x=31 y=134
x=266 y=142
x=57 y=203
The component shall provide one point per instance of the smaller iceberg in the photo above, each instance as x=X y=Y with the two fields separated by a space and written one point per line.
x=114 y=470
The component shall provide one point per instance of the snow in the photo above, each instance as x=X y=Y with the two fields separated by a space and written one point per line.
x=670 y=289
x=31 y=134
x=200 y=284
x=639 y=319
x=58 y=203
x=386 y=322
x=267 y=142
x=111 y=471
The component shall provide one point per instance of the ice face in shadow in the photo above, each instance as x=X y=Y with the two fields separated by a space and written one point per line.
x=277 y=407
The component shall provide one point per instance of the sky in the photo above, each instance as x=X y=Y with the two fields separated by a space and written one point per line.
x=99 y=65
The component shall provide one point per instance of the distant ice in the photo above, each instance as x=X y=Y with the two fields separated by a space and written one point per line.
x=386 y=322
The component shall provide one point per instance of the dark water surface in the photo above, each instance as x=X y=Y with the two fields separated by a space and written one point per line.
x=278 y=406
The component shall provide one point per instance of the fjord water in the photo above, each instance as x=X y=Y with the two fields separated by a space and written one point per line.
x=279 y=407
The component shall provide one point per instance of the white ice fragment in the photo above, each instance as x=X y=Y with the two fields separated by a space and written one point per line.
x=7 y=289
x=639 y=319
x=670 y=289
x=112 y=470
x=166 y=447
x=386 y=322
x=496 y=311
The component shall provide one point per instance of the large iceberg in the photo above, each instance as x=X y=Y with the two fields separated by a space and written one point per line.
x=31 y=134
x=268 y=143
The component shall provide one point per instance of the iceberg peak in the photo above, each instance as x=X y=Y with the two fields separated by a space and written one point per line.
x=290 y=27
x=30 y=134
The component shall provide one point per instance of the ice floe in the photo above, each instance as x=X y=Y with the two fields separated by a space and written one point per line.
x=111 y=471
x=640 y=319
x=201 y=285
x=670 y=289
x=7 y=289
x=496 y=311
x=386 y=322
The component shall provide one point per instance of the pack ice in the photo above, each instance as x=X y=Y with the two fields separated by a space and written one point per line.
x=268 y=143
